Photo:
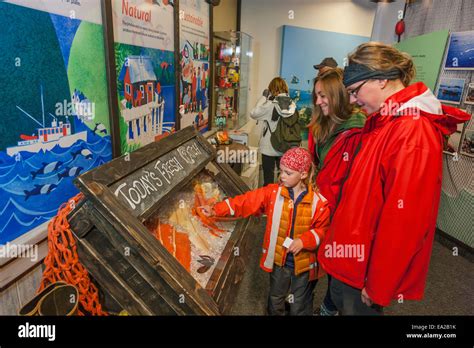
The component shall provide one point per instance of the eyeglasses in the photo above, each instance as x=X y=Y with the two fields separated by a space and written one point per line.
x=355 y=91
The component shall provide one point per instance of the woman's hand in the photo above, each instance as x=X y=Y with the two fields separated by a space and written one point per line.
x=206 y=210
x=365 y=298
x=296 y=246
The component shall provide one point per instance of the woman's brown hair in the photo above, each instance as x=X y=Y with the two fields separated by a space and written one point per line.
x=379 y=56
x=340 y=108
x=277 y=86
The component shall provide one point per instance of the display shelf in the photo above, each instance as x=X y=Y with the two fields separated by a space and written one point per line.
x=231 y=66
x=223 y=62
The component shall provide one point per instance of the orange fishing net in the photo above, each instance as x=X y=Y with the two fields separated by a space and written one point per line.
x=62 y=262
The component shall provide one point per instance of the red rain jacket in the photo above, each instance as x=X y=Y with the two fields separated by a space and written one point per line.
x=382 y=231
x=336 y=164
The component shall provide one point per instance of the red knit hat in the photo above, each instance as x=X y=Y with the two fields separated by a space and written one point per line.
x=298 y=159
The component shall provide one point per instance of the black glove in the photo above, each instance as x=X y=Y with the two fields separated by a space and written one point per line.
x=266 y=93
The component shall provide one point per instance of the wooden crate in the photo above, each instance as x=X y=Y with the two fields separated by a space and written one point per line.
x=133 y=269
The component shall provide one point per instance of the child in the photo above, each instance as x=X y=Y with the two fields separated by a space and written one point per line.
x=297 y=220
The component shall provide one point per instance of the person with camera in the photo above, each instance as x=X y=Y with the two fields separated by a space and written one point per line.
x=273 y=104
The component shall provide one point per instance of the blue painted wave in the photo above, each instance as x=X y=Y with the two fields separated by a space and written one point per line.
x=31 y=195
x=168 y=92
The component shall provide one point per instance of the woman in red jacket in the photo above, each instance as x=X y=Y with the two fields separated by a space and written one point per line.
x=381 y=235
x=333 y=132
x=333 y=137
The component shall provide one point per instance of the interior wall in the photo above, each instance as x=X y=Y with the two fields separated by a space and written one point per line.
x=263 y=20
x=225 y=16
x=386 y=17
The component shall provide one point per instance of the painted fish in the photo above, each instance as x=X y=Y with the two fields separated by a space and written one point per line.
x=83 y=152
x=70 y=172
x=99 y=127
x=40 y=190
x=206 y=262
x=47 y=168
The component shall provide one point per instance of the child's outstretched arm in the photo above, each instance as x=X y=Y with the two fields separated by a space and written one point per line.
x=311 y=239
x=250 y=203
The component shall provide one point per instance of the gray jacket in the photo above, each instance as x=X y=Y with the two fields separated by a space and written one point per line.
x=263 y=111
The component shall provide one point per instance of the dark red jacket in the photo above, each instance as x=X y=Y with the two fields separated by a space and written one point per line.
x=382 y=231
x=336 y=163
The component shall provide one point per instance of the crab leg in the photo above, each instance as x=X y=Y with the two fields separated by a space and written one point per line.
x=207 y=221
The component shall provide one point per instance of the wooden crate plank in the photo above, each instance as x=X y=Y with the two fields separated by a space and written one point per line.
x=16 y=269
x=235 y=273
x=109 y=283
x=29 y=284
x=227 y=286
x=79 y=218
x=222 y=264
x=9 y=301
x=156 y=274
x=137 y=288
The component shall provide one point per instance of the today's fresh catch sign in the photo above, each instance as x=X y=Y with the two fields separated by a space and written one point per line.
x=142 y=189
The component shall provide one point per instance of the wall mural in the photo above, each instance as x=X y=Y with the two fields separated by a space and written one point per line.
x=300 y=43
x=144 y=58
x=54 y=107
x=194 y=60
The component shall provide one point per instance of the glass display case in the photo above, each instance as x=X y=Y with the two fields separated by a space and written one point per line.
x=232 y=57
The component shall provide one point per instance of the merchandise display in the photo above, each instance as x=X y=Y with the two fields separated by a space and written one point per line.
x=232 y=57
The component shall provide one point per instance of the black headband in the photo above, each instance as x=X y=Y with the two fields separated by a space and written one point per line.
x=357 y=72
